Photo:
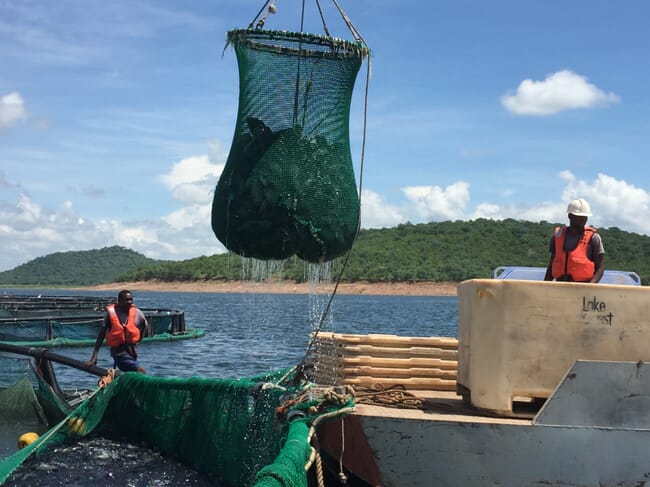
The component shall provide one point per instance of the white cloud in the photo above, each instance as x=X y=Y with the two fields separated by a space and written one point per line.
x=563 y=90
x=436 y=203
x=546 y=211
x=189 y=216
x=190 y=170
x=613 y=202
x=193 y=179
x=29 y=230
x=165 y=239
x=12 y=110
x=376 y=213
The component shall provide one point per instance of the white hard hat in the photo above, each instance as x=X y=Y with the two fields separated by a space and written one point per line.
x=579 y=207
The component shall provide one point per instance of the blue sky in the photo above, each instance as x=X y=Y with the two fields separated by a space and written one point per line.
x=116 y=117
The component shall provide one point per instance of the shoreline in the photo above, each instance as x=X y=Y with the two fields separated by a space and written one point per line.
x=284 y=287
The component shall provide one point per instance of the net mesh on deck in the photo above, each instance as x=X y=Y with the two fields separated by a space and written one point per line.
x=216 y=426
x=288 y=186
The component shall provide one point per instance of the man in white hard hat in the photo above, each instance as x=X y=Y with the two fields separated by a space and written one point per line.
x=577 y=250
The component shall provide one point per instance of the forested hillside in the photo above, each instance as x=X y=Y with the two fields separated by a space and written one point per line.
x=437 y=251
x=81 y=268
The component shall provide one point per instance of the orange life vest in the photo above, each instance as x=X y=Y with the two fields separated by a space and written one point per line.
x=120 y=334
x=574 y=263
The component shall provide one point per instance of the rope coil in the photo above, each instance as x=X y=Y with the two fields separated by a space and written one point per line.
x=392 y=396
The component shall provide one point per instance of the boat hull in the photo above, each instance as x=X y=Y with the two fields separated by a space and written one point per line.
x=423 y=453
x=593 y=431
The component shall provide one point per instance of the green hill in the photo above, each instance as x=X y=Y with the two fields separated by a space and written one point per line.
x=437 y=251
x=80 y=268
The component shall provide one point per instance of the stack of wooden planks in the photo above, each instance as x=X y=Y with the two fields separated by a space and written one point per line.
x=423 y=363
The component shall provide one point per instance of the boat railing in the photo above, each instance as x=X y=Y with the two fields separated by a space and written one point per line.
x=537 y=274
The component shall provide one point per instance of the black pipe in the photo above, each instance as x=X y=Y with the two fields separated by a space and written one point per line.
x=54 y=357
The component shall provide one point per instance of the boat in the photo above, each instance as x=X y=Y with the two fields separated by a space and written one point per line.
x=74 y=321
x=552 y=387
x=546 y=384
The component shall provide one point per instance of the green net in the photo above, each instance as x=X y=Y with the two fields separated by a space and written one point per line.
x=27 y=402
x=19 y=402
x=54 y=407
x=24 y=396
x=229 y=430
x=288 y=186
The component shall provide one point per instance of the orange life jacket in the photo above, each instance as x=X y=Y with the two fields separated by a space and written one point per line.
x=574 y=263
x=120 y=334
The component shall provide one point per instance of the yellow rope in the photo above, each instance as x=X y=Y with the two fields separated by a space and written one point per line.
x=316 y=422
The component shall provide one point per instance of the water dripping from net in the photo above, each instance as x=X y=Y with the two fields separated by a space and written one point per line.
x=261 y=277
x=263 y=274
x=319 y=279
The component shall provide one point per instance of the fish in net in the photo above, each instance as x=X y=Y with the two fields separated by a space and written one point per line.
x=288 y=186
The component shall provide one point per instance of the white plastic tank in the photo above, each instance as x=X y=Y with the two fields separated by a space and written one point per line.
x=518 y=338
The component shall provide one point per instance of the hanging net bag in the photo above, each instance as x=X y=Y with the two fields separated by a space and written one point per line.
x=288 y=186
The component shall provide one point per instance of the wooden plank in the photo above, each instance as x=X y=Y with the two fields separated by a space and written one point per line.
x=367 y=360
x=423 y=363
x=372 y=350
x=388 y=372
x=390 y=340
x=397 y=352
x=324 y=345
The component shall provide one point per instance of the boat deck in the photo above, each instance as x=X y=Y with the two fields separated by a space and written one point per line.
x=440 y=406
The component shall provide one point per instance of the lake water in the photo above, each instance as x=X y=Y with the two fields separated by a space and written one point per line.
x=251 y=333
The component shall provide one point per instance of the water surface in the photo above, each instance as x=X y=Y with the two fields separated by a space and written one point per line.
x=249 y=333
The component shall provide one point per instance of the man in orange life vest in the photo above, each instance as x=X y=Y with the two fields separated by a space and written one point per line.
x=124 y=326
x=577 y=250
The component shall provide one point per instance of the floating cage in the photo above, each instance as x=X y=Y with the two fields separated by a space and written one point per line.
x=73 y=320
